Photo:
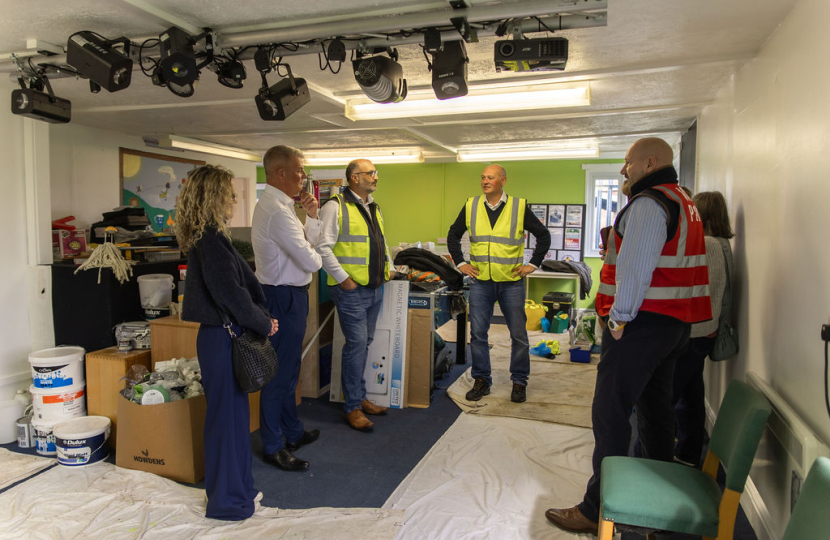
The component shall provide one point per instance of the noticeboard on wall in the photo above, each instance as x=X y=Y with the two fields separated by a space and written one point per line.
x=566 y=223
x=153 y=182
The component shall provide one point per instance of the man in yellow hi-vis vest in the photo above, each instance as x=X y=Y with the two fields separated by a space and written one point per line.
x=496 y=223
x=357 y=260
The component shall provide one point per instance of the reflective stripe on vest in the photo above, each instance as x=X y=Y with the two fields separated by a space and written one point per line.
x=352 y=249
x=496 y=250
x=680 y=282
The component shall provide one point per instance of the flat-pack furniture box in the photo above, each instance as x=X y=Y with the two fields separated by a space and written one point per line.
x=164 y=439
x=105 y=371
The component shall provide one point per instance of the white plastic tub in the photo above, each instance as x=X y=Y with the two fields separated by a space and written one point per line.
x=82 y=441
x=57 y=367
x=52 y=405
x=155 y=290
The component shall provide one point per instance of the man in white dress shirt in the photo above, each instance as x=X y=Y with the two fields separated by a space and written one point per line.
x=285 y=261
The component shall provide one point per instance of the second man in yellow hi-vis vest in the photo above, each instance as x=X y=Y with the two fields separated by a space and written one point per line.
x=357 y=261
x=496 y=223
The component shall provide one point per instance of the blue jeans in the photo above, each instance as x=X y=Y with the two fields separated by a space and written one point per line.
x=358 y=310
x=277 y=400
x=511 y=298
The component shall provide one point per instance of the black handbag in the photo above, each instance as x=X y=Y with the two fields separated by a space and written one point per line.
x=254 y=358
x=726 y=341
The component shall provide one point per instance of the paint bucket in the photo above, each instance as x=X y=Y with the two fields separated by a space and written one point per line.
x=53 y=405
x=25 y=433
x=58 y=367
x=44 y=438
x=10 y=411
x=82 y=441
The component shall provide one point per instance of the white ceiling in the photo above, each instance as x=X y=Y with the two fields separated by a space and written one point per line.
x=651 y=69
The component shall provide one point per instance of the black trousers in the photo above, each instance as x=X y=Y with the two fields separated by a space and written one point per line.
x=636 y=370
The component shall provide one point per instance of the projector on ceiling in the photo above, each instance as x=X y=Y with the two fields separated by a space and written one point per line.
x=540 y=54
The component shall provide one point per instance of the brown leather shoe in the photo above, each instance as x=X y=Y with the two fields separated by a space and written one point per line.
x=358 y=421
x=571 y=519
x=370 y=408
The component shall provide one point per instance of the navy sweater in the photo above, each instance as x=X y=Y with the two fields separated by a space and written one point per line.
x=227 y=278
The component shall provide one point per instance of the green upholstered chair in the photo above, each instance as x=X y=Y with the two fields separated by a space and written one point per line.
x=810 y=519
x=662 y=496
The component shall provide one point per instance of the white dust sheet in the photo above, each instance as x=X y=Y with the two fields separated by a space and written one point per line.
x=102 y=501
x=558 y=390
x=493 y=478
x=15 y=467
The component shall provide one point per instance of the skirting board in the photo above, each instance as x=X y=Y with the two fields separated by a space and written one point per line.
x=9 y=384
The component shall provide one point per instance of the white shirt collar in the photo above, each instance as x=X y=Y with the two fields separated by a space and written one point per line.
x=494 y=206
x=369 y=199
x=282 y=198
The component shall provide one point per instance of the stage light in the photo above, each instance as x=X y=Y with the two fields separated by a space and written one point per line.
x=231 y=73
x=45 y=106
x=380 y=78
x=449 y=70
x=181 y=90
x=282 y=99
x=177 y=58
x=95 y=57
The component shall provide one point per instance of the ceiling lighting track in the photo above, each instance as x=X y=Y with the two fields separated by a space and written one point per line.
x=376 y=155
x=194 y=145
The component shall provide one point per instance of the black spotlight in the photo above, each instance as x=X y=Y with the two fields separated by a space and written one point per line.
x=96 y=58
x=380 y=78
x=449 y=70
x=181 y=90
x=177 y=58
x=231 y=73
x=282 y=99
x=41 y=105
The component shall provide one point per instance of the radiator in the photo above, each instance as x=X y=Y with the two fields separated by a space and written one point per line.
x=787 y=451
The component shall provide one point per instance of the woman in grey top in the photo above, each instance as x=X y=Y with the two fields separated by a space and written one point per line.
x=688 y=372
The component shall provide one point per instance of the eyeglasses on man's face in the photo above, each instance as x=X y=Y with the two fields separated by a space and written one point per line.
x=373 y=174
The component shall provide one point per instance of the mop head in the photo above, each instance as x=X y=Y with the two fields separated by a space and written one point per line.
x=107 y=255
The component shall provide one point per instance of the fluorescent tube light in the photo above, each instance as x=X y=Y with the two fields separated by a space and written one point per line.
x=514 y=153
x=485 y=98
x=376 y=155
x=182 y=143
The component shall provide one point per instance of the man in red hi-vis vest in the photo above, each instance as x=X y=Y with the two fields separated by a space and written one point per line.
x=653 y=285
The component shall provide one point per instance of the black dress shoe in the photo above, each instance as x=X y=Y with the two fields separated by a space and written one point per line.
x=286 y=461
x=307 y=437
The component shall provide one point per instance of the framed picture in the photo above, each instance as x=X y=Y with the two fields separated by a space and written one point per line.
x=556 y=215
x=573 y=239
x=557 y=237
x=569 y=256
x=153 y=182
x=540 y=211
x=573 y=218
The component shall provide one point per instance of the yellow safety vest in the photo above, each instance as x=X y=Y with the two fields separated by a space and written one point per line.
x=496 y=251
x=352 y=248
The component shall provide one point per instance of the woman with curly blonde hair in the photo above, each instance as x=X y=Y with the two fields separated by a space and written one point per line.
x=218 y=278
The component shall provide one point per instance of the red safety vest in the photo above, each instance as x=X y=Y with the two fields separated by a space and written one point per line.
x=680 y=282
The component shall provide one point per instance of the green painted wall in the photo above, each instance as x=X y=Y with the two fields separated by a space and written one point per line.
x=420 y=201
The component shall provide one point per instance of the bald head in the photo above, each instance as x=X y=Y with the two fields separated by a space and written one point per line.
x=645 y=157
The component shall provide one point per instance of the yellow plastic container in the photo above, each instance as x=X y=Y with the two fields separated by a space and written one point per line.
x=535 y=313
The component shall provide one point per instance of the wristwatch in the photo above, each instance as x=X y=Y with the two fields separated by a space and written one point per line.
x=614 y=325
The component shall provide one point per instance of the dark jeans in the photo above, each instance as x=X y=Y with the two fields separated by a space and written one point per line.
x=689 y=396
x=277 y=400
x=637 y=370
x=358 y=310
x=511 y=298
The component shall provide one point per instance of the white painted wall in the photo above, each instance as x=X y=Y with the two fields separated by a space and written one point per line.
x=85 y=176
x=764 y=144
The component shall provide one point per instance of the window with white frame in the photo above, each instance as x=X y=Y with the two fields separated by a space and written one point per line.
x=603 y=200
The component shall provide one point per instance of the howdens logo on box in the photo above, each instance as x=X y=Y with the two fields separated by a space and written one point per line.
x=146 y=459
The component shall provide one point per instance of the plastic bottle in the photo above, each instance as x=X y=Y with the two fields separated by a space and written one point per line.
x=24 y=397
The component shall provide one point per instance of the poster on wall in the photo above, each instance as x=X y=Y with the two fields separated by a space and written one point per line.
x=574 y=216
x=557 y=237
x=153 y=182
x=568 y=256
x=573 y=239
x=556 y=215
x=540 y=211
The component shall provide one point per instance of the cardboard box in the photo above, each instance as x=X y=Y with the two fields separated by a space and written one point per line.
x=419 y=358
x=164 y=439
x=385 y=370
x=68 y=244
x=105 y=370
